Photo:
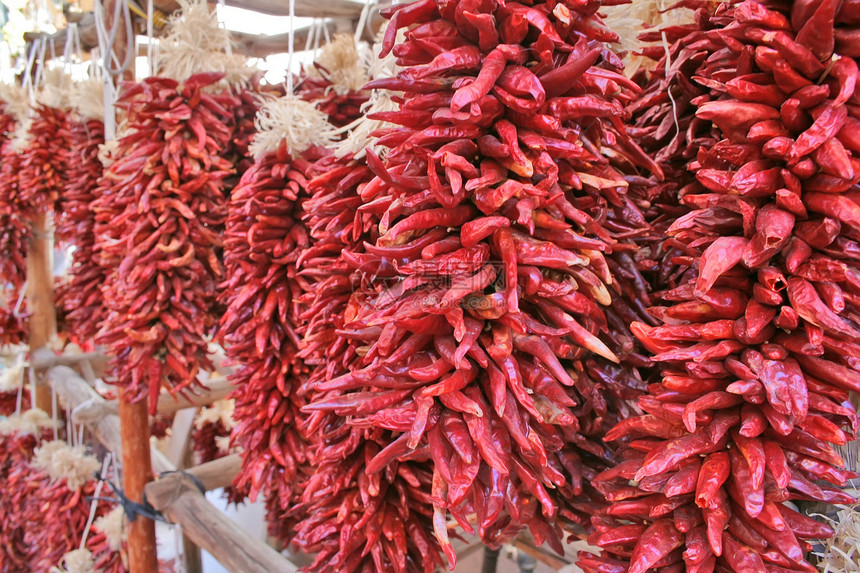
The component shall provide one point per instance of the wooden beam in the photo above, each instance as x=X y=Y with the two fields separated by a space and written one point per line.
x=178 y=498
x=180 y=436
x=217 y=388
x=206 y=526
x=180 y=452
x=74 y=391
x=211 y=475
x=303 y=8
x=45 y=358
x=86 y=32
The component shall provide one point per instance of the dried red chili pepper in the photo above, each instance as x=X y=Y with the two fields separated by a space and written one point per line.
x=263 y=240
x=44 y=163
x=15 y=234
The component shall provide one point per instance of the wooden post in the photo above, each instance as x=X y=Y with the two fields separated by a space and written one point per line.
x=40 y=297
x=136 y=472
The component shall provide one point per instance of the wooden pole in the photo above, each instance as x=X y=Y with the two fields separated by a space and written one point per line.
x=136 y=472
x=40 y=297
x=192 y=555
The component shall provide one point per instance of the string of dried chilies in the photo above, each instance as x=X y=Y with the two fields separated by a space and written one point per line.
x=496 y=171
x=757 y=341
x=169 y=208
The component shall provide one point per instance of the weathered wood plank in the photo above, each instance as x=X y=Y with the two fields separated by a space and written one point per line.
x=303 y=8
x=178 y=499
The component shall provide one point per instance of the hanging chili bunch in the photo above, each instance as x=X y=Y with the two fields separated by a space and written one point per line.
x=106 y=541
x=486 y=276
x=758 y=339
x=387 y=514
x=20 y=435
x=334 y=83
x=15 y=218
x=168 y=178
x=210 y=439
x=243 y=130
x=14 y=328
x=263 y=241
x=359 y=522
x=44 y=166
x=61 y=477
x=80 y=297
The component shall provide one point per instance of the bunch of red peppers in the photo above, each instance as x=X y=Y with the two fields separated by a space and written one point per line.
x=470 y=341
x=341 y=108
x=45 y=160
x=264 y=238
x=757 y=340
x=80 y=297
x=167 y=210
x=15 y=233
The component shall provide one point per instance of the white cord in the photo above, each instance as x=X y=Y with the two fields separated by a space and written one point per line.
x=311 y=33
x=32 y=380
x=21 y=298
x=74 y=414
x=54 y=417
x=318 y=23
x=28 y=72
x=292 y=38
x=105 y=47
x=19 y=401
x=362 y=21
x=150 y=35
x=95 y=503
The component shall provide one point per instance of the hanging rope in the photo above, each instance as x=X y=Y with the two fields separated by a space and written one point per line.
x=292 y=38
x=69 y=48
x=150 y=37
x=19 y=401
x=309 y=41
x=94 y=505
x=362 y=20
x=107 y=40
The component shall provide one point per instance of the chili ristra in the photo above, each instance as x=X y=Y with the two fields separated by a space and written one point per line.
x=479 y=336
x=162 y=224
x=264 y=238
x=15 y=233
x=81 y=296
x=756 y=347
